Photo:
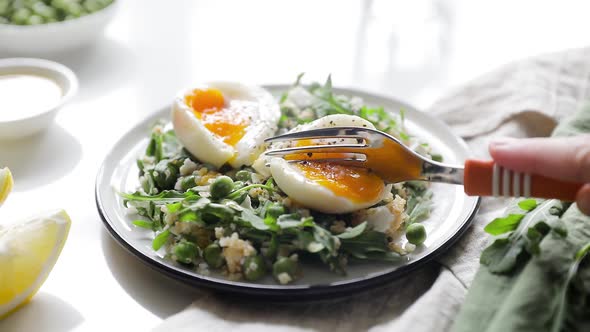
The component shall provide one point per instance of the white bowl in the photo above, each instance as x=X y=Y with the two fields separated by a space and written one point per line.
x=60 y=74
x=55 y=37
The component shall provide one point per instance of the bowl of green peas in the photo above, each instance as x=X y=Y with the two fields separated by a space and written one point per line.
x=33 y=27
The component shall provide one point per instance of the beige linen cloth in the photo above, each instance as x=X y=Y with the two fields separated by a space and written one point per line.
x=522 y=99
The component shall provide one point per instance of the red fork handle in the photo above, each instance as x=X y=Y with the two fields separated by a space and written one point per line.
x=486 y=178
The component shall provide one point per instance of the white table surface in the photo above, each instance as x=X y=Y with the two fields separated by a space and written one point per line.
x=413 y=50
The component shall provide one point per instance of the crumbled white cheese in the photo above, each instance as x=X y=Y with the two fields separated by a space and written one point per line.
x=178 y=184
x=188 y=167
x=219 y=232
x=257 y=178
x=234 y=251
x=170 y=218
x=385 y=218
x=284 y=278
x=203 y=269
x=408 y=247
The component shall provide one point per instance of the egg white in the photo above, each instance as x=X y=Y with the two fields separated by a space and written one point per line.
x=293 y=182
x=254 y=102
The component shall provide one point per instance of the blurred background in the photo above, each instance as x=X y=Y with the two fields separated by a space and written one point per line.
x=412 y=50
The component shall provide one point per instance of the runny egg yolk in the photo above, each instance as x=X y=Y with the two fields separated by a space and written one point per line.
x=208 y=105
x=356 y=184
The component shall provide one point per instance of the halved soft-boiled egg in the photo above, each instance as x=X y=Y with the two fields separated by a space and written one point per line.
x=225 y=122
x=325 y=186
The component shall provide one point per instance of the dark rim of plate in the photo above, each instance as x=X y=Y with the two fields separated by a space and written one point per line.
x=281 y=292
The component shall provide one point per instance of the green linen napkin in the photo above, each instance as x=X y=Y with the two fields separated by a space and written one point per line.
x=529 y=281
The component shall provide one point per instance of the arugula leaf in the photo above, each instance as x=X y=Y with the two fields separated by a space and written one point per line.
x=166 y=196
x=189 y=216
x=528 y=204
x=144 y=224
x=255 y=221
x=562 y=302
x=419 y=204
x=306 y=241
x=353 y=232
x=366 y=245
x=326 y=239
x=238 y=192
x=160 y=239
x=501 y=256
x=503 y=225
x=287 y=221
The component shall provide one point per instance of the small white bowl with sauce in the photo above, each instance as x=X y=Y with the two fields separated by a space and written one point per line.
x=31 y=93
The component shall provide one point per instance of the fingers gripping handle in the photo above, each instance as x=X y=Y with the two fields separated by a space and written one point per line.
x=485 y=178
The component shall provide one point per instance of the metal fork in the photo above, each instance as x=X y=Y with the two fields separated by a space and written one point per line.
x=394 y=162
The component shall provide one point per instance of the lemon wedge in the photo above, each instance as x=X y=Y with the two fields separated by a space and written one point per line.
x=28 y=252
x=5 y=183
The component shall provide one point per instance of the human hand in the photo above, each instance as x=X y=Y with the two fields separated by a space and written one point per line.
x=564 y=158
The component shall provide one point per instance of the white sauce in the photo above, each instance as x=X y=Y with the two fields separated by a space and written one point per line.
x=23 y=95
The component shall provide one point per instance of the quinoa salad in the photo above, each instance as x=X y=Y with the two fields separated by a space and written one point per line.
x=245 y=219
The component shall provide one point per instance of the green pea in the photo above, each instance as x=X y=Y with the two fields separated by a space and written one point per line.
x=275 y=210
x=20 y=16
x=59 y=4
x=105 y=3
x=188 y=183
x=212 y=255
x=18 y=4
x=4 y=7
x=185 y=252
x=165 y=174
x=73 y=8
x=92 y=5
x=416 y=234
x=221 y=187
x=253 y=268
x=30 y=3
x=35 y=20
x=284 y=265
x=243 y=175
x=43 y=10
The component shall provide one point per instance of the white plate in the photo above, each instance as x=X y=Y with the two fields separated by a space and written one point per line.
x=452 y=214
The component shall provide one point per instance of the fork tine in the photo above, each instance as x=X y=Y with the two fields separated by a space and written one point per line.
x=336 y=148
x=334 y=132
x=339 y=161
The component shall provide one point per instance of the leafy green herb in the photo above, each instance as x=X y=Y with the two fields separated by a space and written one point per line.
x=503 y=225
x=525 y=232
x=353 y=232
x=528 y=204
x=559 y=318
x=237 y=193
x=287 y=221
x=144 y=224
x=167 y=196
x=419 y=204
x=369 y=245
x=160 y=239
x=254 y=220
